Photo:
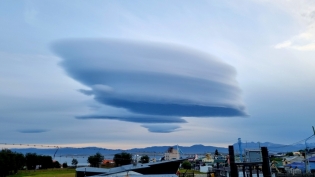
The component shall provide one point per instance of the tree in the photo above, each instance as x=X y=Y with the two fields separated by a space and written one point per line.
x=74 y=162
x=19 y=162
x=216 y=152
x=56 y=164
x=145 y=159
x=65 y=165
x=45 y=161
x=31 y=160
x=10 y=162
x=95 y=160
x=186 y=165
x=5 y=162
x=289 y=154
x=123 y=158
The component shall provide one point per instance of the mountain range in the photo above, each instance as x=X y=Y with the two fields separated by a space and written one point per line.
x=160 y=150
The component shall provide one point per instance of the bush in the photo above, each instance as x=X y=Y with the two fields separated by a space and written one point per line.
x=186 y=165
x=123 y=158
x=145 y=159
x=95 y=160
x=74 y=162
x=56 y=164
x=65 y=165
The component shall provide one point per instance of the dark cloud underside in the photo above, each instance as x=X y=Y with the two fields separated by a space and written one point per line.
x=137 y=119
x=173 y=109
x=161 y=128
x=32 y=131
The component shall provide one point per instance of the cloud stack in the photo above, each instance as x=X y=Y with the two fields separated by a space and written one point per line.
x=154 y=83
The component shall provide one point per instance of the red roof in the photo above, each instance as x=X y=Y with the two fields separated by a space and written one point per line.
x=107 y=161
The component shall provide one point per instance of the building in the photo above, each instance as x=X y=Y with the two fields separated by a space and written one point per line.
x=291 y=159
x=207 y=163
x=107 y=161
x=171 y=154
x=253 y=155
x=158 y=169
x=312 y=163
x=208 y=159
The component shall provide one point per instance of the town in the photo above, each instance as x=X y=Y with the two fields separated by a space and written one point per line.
x=245 y=162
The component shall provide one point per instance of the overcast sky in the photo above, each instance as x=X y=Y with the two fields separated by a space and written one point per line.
x=122 y=74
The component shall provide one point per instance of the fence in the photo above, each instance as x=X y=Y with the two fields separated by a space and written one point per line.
x=210 y=174
x=296 y=175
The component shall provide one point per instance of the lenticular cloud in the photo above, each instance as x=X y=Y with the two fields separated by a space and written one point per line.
x=152 y=79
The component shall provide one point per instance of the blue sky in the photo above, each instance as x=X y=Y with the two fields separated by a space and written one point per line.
x=121 y=74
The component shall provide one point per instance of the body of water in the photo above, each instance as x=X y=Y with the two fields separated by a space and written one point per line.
x=82 y=160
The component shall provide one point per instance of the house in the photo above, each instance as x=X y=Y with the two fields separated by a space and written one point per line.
x=312 y=163
x=192 y=157
x=208 y=158
x=295 y=167
x=297 y=153
x=207 y=163
x=107 y=161
x=291 y=159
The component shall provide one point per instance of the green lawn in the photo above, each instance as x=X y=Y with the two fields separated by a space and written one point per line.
x=190 y=171
x=46 y=173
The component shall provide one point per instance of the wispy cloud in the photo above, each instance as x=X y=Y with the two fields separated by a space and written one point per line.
x=155 y=82
x=302 y=42
x=305 y=13
x=283 y=44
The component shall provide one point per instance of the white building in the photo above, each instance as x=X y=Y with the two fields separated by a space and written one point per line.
x=172 y=154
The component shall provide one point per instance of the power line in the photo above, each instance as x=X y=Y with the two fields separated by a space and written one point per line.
x=292 y=143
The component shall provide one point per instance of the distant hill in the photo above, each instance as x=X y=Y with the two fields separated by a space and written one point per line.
x=195 y=149
x=273 y=148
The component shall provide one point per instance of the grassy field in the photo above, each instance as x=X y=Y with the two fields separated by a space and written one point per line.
x=190 y=171
x=46 y=173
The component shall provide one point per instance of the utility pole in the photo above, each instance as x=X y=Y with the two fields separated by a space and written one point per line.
x=306 y=160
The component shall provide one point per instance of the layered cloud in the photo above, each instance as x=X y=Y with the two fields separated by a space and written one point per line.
x=154 y=82
x=138 y=118
x=32 y=131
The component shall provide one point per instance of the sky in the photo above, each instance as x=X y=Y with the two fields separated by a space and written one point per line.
x=123 y=74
